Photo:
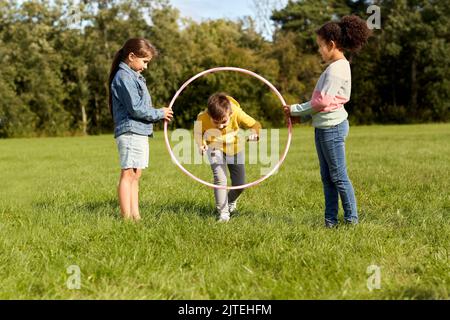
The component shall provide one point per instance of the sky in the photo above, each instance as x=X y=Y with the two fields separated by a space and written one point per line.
x=200 y=10
x=213 y=9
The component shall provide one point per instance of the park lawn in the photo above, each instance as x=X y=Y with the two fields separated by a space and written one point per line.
x=58 y=208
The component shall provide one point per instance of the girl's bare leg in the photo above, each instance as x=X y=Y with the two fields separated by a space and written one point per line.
x=135 y=195
x=124 y=191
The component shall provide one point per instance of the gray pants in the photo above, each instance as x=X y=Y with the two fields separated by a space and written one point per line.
x=219 y=163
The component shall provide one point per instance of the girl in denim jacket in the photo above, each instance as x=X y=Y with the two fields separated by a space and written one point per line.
x=329 y=117
x=133 y=114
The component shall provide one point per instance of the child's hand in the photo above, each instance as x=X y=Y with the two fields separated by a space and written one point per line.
x=253 y=137
x=287 y=113
x=168 y=114
x=203 y=149
x=287 y=110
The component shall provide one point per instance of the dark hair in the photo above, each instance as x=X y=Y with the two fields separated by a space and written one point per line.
x=350 y=33
x=218 y=106
x=141 y=48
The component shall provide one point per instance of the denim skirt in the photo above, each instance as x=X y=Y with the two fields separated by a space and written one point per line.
x=133 y=150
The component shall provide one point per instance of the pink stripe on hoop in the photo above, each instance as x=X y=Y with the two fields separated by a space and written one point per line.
x=211 y=185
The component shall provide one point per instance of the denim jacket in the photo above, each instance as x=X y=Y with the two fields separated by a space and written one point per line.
x=132 y=104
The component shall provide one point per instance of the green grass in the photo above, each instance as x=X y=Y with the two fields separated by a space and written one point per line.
x=58 y=207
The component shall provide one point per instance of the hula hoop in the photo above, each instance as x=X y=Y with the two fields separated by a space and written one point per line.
x=211 y=185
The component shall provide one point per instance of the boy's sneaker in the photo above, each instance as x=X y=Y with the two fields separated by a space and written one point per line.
x=224 y=218
x=232 y=207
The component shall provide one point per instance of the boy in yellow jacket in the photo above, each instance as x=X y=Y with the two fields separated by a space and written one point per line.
x=216 y=133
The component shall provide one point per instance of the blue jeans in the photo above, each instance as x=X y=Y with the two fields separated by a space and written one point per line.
x=330 y=146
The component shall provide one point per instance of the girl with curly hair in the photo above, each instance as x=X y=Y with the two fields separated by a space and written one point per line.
x=329 y=117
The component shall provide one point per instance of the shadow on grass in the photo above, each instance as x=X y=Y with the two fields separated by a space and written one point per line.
x=177 y=207
x=108 y=208
x=205 y=210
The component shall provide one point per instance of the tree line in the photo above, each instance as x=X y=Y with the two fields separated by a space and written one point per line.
x=55 y=58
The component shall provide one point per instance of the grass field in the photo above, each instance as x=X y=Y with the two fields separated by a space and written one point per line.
x=58 y=208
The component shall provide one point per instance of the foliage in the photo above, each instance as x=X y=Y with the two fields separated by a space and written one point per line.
x=53 y=76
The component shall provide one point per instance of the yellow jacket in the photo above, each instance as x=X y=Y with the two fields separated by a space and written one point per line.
x=226 y=139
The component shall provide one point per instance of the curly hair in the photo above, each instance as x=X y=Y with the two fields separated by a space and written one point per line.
x=350 y=33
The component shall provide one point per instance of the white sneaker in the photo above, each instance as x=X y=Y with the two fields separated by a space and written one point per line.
x=224 y=218
x=232 y=207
